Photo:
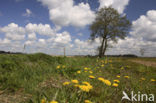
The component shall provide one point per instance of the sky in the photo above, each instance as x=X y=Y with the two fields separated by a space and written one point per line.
x=49 y=26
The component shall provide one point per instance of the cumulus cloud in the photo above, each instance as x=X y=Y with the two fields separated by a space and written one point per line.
x=145 y=26
x=119 y=5
x=13 y=31
x=64 y=12
x=27 y=13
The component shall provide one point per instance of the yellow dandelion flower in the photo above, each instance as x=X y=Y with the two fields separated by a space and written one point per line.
x=90 y=72
x=115 y=85
x=75 y=81
x=43 y=101
x=101 y=79
x=122 y=67
x=117 y=81
x=102 y=65
x=78 y=72
x=66 y=83
x=91 y=77
x=53 y=101
x=153 y=80
x=63 y=66
x=85 y=71
x=58 y=67
x=118 y=76
x=88 y=101
x=127 y=77
x=85 y=68
x=107 y=82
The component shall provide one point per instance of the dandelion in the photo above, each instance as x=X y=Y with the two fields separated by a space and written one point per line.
x=91 y=77
x=117 y=81
x=102 y=65
x=86 y=87
x=122 y=67
x=115 y=85
x=58 y=67
x=107 y=82
x=118 y=76
x=43 y=101
x=78 y=72
x=127 y=77
x=152 y=80
x=85 y=71
x=75 y=81
x=53 y=101
x=90 y=72
x=85 y=68
x=88 y=101
x=63 y=66
x=101 y=79
x=66 y=83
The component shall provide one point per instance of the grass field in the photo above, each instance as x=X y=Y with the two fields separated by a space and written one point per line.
x=40 y=78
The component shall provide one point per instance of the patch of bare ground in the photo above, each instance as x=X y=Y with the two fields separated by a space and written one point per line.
x=20 y=97
x=146 y=63
x=17 y=97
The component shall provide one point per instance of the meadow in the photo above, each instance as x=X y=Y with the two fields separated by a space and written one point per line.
x=41 y=78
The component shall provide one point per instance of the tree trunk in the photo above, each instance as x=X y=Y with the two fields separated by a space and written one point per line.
x=101 y=48
x=105 y=47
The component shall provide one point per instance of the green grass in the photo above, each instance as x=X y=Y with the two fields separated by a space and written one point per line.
x=36 y=76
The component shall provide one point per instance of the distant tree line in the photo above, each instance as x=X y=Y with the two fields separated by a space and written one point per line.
x=4 y=52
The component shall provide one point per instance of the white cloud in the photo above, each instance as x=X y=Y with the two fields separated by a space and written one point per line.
x=13 y=31
x=64 y=12
x=145 y=26
x=40 y=29
x=27 y=13
x=32 y=36
x=119 y=5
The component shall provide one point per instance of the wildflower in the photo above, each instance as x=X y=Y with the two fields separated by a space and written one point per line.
x=88 y=101
x=115 y=85
x=78 y=72
x=102 y=65
x=86 y=87
x=101 y=79
x=118 y=76
x=75 y=81
x=53 y=101
x=90 y=72
x=143 y=79
x=126 y=77
x=107 y=82
x=58 y=67
x=91 y=77
x=66 y=83
x=63 y=66
x=85 y=68
x=152 y=80
x=43 y=101
x=85 y=71
x=122 y=67
x=117 y=81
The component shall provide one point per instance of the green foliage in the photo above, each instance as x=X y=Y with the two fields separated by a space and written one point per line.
x=37 y=75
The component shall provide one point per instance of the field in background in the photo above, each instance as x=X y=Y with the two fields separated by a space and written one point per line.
x=38 y=77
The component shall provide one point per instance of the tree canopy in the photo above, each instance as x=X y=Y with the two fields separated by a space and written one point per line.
x=109 y=25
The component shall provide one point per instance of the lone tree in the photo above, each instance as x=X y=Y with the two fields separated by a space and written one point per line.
x=109 y=25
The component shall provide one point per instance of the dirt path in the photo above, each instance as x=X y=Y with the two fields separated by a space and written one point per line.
x=147 y=63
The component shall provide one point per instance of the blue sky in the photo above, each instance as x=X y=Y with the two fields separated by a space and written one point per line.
x=23 y=12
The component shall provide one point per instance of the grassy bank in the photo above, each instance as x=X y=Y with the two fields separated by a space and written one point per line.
x=40 y=77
